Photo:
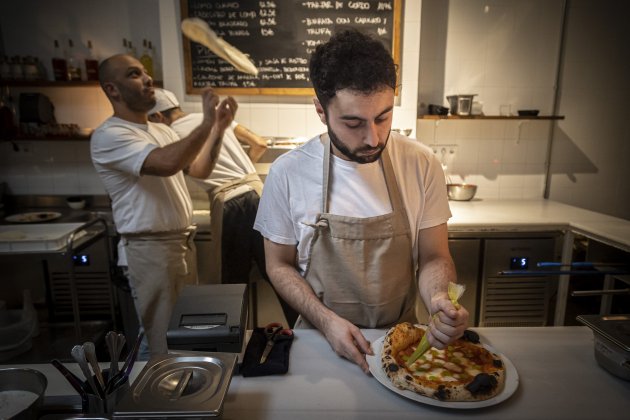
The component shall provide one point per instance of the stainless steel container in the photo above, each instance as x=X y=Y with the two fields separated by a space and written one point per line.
x=22 y=393
x=461 y=192
x=461 y=104
x=612 y=342
x=180 y=385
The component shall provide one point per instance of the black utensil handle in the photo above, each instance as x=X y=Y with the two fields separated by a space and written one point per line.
x=70 y=377
x=133 y=354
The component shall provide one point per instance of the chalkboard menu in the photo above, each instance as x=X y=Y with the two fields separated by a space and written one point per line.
x=279 y=37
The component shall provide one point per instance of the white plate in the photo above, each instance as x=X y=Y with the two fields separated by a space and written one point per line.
x=33 y=217
x=511 y=382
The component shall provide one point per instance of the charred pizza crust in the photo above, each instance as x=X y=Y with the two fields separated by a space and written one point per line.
x=464 y=371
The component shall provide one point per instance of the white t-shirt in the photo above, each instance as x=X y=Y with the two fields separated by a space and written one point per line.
x=140 y=203
x=232 y=163
x=293 y=191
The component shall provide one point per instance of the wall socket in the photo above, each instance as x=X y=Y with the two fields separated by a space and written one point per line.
x=446 y=151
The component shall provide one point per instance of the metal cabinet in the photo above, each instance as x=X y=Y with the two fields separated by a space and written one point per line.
x=520 y=300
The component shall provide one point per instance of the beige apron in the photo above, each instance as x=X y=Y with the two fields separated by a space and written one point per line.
x=362 y=268
x=217 y=201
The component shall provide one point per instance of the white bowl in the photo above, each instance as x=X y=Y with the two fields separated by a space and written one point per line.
x=76 y=203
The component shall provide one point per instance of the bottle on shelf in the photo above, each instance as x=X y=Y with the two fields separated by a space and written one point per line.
x=131 y=49
x=59 y=63
x=30 y=68
x=17 y=70
x=156 y=63
x=91 y=64
x=5 y=68
x=74 y=69
x=146 y=59
x=125 y=46
x=8 y=118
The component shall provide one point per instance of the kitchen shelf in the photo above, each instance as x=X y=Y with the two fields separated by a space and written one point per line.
x=55 y=83
x=491 y=117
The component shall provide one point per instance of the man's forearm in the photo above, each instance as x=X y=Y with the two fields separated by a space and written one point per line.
x=177 y=156
x=207 y=158
x=434 y=278
x=294 y=289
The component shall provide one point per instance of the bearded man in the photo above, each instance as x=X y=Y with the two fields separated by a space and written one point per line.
x=354 y=220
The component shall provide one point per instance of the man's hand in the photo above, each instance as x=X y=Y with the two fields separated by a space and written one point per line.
x=347 y=341
x=448 y=323
x=209 y=102
x=225 y=113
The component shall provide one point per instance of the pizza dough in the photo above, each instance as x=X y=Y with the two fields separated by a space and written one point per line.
x=198 y=30
x=464 y=371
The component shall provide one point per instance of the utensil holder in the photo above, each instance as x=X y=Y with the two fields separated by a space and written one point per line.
x=94 y=404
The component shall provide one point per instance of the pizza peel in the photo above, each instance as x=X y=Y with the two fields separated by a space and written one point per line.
x=455 y=291
x=198 y=30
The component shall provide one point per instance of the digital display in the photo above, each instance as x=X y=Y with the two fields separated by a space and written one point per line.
x=519 y=263
x=81 y=259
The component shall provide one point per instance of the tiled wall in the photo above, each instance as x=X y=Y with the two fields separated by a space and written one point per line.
x=504 y=158
x=505 y=52
x=49 y=168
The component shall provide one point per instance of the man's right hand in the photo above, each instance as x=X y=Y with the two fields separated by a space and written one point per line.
x=347 y=341
x=209 y=102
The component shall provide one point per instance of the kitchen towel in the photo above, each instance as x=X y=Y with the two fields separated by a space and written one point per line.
x=277 y=362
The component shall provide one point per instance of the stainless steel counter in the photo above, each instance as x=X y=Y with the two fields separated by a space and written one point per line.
x=558 y=379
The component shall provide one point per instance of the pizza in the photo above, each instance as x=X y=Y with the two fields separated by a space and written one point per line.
x=464 y=371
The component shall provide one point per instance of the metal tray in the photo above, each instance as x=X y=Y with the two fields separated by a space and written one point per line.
x=182 y=384
x=37 y=237
x=615 y=328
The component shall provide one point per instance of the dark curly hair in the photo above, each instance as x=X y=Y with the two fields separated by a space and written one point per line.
x=350 y=60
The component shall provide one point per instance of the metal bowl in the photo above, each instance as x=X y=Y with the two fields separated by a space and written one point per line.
x=24 y=389
x=461 y=192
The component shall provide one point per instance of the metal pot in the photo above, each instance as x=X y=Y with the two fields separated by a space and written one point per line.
x=460 y=104
x=461 y=192
x=23 y=393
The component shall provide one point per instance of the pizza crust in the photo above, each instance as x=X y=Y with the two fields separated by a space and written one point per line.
x=449 y=376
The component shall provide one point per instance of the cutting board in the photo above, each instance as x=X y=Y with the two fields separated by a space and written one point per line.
x=36 y=237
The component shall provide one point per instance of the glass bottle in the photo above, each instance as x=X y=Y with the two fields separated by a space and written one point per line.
x=59 y=63
x=132 y=50
x=156 y=63
x=91 y=64
x=17 y=70
x=74 y=69
x=146 y=59
x=8 y=118
x=5 y=68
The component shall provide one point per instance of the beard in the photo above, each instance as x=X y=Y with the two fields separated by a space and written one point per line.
x=136 y=100
x=364 y=154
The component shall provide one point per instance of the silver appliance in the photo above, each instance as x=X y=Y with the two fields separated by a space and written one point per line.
x=517 y=300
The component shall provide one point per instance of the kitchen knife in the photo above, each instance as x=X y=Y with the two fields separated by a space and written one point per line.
x=455 y=291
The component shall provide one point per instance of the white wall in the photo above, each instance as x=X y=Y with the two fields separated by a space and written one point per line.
x=506 y=52
x=591 y=147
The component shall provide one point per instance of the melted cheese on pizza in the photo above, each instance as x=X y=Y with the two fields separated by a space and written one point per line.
x=453 y=364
